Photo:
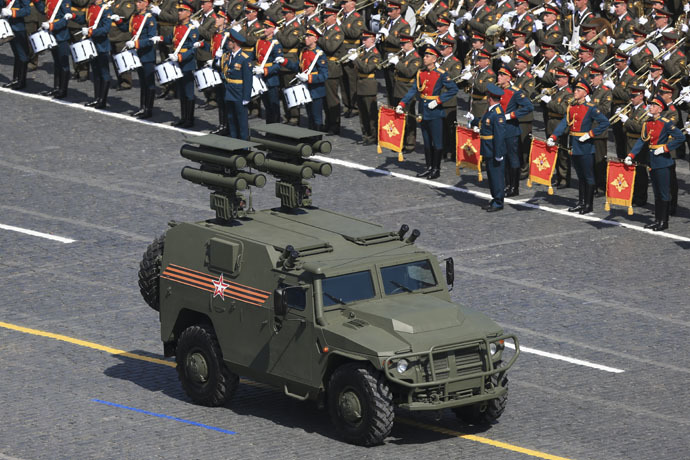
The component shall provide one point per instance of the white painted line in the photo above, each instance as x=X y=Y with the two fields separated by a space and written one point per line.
x=567 y=359
x=47 y=236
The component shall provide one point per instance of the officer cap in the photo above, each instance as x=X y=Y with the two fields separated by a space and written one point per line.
x=584 y=46
x=524 y=57
x=665 y=86
x=552 y=9
x=443 y=21
x=367 y=34
x=636 y=89
x=652 y=2
x=506 y=70
x=251 y=6
x=535 y=2
x=660 y=102
x=639 y=31
x=670 y=35
x=483 y=54
x=663 y=12
x=589 y=25
x=656 y=65
x=405 y=38
x=394 y=4
x=237 y=37
x=269 y=23
x=185 y=5
x=620 y=56
x=559 y=72
x=584 y=86
x=520 y=1
x=618 y=1
x=476 y=35
x=432 y=50
x=330 y=11
x=519 y=33
x=448 y=40
x=550 y=44
x=596 y=70
x=494 y=90
x=220 y=11
x=287 y=8
x=313 y=31
x=308 y=3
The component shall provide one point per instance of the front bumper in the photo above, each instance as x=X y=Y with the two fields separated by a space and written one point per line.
x=451 y=375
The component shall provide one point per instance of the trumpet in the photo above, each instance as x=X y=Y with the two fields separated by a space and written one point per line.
x=386 y=63
x=545 y=92
x=623 y=111
x=358 y=51
x=473 y=70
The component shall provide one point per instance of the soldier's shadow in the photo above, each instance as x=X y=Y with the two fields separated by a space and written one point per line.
x=412 y=162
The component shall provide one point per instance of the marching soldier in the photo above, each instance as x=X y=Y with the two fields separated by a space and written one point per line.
x=579 y=121
x=640 y=56
x=548 y=28
x=393 y=27
x=365 y=62
x=266 y=51
x=185 y=59
x=331 y=43
x=33 y=22
x=218 y=46
x=237 y=75
x=632 y=125
x=430 y=82
x=601 y=50
x=406 y=68
x=206 y=31
x=81 y=69
x=122 y=11
x=352 y=25
x=289 y=37
x=624 y=24
x=19 y=44
x=250 y=33
x=144 y=46
x=662 y=20
x=660 y=136
x=671 y=113
x=601 y=97
x=452 y=67
x=61 y=53
x=443 y=31
x=477 y=82
x=525 y=82
x=656 y=73
x=620 y=83
x=551 y=60
x=100 y=65
x=166 y=18
x=556 y=109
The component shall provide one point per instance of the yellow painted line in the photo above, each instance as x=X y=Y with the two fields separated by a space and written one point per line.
x=438 y=429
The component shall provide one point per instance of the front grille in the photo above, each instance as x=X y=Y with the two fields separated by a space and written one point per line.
x=451 y=364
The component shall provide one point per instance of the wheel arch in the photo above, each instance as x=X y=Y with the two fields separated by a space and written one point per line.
x=185 y=318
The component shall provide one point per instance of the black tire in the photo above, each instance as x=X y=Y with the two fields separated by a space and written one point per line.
x=485 y=413
x=360 y=384
x=150 y=272
x=200 y=368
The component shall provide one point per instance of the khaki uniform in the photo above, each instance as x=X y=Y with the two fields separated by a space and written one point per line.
x=641 y=58
x=480 y=102
x=352 y=27
x=620 y=97
x=452 y=67
x=392 y=45
x=404 y=77
x=556 y=110
x=207 y=30
x=482 y=18
x=119 y=35
x=623 y=29
x=367 y=87
x=633 y=128
x=524 y=24
x=289 y=38
x=235 y=9
x=526 y=83
x=33 y=22
x=331 y=43
x=553 y=33
x=602 y=98
x=275 y=11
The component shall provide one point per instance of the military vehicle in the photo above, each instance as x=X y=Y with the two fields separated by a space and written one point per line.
x=320 y=305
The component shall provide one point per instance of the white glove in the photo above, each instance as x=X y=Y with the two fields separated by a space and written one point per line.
x=7 y=12
x=469 y=116
x=686 y=98
x=508 y=26
x=667 y=57
x=237 y=28
x=376 y=17
x=245 y=102
x=612 y=10
x=476 y=129
x=429 y=41
x=264 y=5
x=601 y=6
x=156 y=39
x=129 y=44
x=584 y=138
x=628 y=161
x=279 y=60
x=219 y=53
x=540 y=73
x=194 y=23
x=623 y=117
x=303 y=77
x=68 y=16
x=394 y=60
x=467 y=16
x=352 y=56
x=647 y=94
x=610 y=41
x=173 y=57
x=399 y=110
x=115 y=17
x=85 y=31
x=550 y=142
x=684 y=27
x=571 y=6
x=258 y=70
x=609 y=83
x=538 y=11
x=454 y=13
x=384 y=31
x=588 y=99
x=635 y=50
x=573 y=72
x=546 y=99
x=466 y=76
x=642 y=21
x=538 y=25
x=218 y=2
x=508 y=116
x=45 y=25
x=505 y=58
x=686 y=7
x=658 y=151
x=567 y=57
x=209 y=63
x=433 y=104
x=155 y=10
x=196 y=45
x=499 y=158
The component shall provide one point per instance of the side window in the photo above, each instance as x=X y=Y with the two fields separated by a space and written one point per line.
x=296 y=298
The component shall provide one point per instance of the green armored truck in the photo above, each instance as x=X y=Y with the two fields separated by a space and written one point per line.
x=320 y=305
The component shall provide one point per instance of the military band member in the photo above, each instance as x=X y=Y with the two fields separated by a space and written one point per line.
x=250 y=31
x=525 y=81
x=429 y=86
x=437 y=10
x=587 y=61
x=145 y=22
x=523 y=21
x=550 y=61
x=352 y=25
x=656 y=74
x=477 y=83
x=573 y=21
x=311 y=15
x=332 y=44
x=206 y=30
x=671 y=113
x=662 y=20
x=624 y=23
x=100 y=65
x=579 y=122
x=556 y=108
x=640 y=56
x=61 y=53
x=620 y=83
x=185 y=59
x=673 y=61
x=81 y=69
x=548 y=29
x=391 y=30
x=316 y=80
x=632 y=125
x=406 y=68
x=269 y=71
x=33 y=22
x=218 y=47
x=289 y=37
x=234 y=9
x=472 y=24
x=660 y=136
x=365 y=62
x=452 y=67
x=166 y=19
x=272 y=10
x=601 y=97
x=600 y=47
x=122 y=11
x=19 y=44
x=237 y=75
x=443 y=31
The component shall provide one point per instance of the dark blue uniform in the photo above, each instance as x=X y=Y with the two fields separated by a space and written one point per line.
x=492 y=132
x=237 y=76
x=98 y=33
x=517 y=104
x=61 y=53
x=316 y=84
x=271 y=76
x=146 y=51
x=19 y=44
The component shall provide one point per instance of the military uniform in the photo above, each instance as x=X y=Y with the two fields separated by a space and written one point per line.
x=289 y=37
x=440 y=9
x=331 y=43
x=549 y=33
x=271 y=76
x=19 y=44
x=391 y=44
x=367 y=88
x=32 y=22
x=633 y=128
x=235 y=8
x=573 y=23
x=61 y=52
x=556 y=109
x=352 y=26
x=119 y=34
x=81 y=70
x=145 y=25
x=602 y=98
x=526 y=83
x=250 y=31
x=620 y=97
x=492 y=135
x=623 y=28
x=316 y=83
x=479 y=102
x=166 y=20
x=482 y=18
x=237 y=77
x=404 y=77
x=274 y=11
x=524 y=24
x=98 y=33
x=452 y=67
x=187 y=63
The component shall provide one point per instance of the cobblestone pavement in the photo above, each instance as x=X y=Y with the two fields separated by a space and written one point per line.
x=589 y=292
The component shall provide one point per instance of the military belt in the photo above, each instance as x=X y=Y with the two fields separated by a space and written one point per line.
x=236 y=82
x=486 y=138
x=391 y=49
x=656 y=146
x=351 y=42
x=365 y=75
x=332 y=58
x=424 y=96
x=633 y=135
x=578 y=133
x=405 y=80
x=478 y=96
x=555 y=115
x=249 y=49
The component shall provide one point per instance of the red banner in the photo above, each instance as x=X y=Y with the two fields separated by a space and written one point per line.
x=391 y=130
x=542 y=163
x=620 y=183
x=467 y=152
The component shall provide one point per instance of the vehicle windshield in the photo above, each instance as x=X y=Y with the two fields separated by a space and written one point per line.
x=343 y=289
x=408 y=277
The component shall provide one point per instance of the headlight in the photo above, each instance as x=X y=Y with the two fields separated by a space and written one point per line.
x=492 y=348
x=402 y=366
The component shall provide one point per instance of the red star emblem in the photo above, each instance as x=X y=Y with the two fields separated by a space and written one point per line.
x=220 y=287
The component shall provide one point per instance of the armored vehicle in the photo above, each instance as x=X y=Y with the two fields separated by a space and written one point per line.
x=320 y=305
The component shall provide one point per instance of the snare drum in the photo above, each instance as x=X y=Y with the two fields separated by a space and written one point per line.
x=297 y=95
x=206 y=78
x=83 y=51
x=6 y=33
x=125 y=61
x=167 y=72
x=41 y=41
x=258 y=86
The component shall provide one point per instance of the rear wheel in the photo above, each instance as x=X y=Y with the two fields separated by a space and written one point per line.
x=360 y=404
x=200 y=368
x=150 y=272
x=484 y=413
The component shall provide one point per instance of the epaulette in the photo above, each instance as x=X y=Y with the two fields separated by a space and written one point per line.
x=528 y=18
x=376 y=51
x=646 y=50
x=416 y=54
x=439 y=70
x=490 y=71
x=498 y=109
x=529 y=75
x=672 y=107
x=558 y=59
x=404 y=22
x=244 y=55
x=569 y=89
x=630 y=72
x=665 y=120
x=487 y=8
x=606 y=88
x=356 y=14
x=337 y=29
x=680 y=53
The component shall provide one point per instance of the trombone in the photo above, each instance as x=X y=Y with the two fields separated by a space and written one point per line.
x=545 y=92
x=623 y=111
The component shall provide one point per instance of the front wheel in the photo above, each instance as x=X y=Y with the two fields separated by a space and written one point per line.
x=200 y=368
x=360 y=404
x=484 y=413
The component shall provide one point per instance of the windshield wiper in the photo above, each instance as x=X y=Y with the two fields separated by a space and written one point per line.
x=398 y=285
x=334 y=299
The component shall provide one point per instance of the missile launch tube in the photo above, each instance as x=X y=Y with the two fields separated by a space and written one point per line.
x=199 y=154
x=213 y=179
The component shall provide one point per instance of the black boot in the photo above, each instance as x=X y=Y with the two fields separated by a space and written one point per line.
x=580 y=198
x=12 y=84
x=508 y=180
x=148 y=103
x=663 y=219
x=657 y=215
x=183 y=114
x=589 y=199
x=429 y=164
x=189 y=114
x=516 y=181
x=64 y=83
x=22 y=70
x=513 y=182
x=222 y=121
x=435 y=173
x=56 y=85
x=142 y=103
x=97 y=82
x=103 y=96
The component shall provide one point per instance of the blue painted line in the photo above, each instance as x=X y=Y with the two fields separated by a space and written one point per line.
x=169 y=417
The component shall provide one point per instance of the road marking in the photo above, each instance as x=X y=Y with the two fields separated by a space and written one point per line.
x=567 y=359
x=115 y=351
x=26 y=231
x=361 y=167
x=168 y=417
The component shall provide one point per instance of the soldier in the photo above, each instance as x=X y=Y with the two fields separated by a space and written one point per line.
x=640 y=56
x=587 y=62
x=206 y=30
x=393 y=27
x=58 y=27
x=516 y=106
x=331 y=43
x=237 y=75
x=632 y=125
x=431 y=11
x=556 y=108
x=144 y=24
x=234 y=9
x=352 y=25
x=406 y=68
x=573 y=22
x=430 y=82
x=289 y=36
x=478 y=42
x=122 y=11
x=673 y=61
x=601 y=50
x=656 y=73
x=81 y=69
x=473 y=24
x=624 y=24
x=443 y=31
x=660 y=136
x=671 y=113
x=266 y=51
x=548 y=28
x=491 y=128
x=366 y=61
x=310 y=15
x=519 y=43
x=452 y=67
x=100 y=65
x=579 y=120
x=524 y=80
x=19 y=44
x=166 y=18
x=550 y=61
x=218 y=46
x=477 y=82
x=32 y=22
x=662 y=20
x=620 y=83
x=250 y=32
x=272 y=10
x=523 y=21
x=601 y=97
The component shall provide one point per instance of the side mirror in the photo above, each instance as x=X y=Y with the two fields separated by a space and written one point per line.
x=288 y=297
x=450 y=273
x=279 y=302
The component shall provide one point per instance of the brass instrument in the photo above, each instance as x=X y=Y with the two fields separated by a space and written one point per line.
x=474 y=70
x=660 y=55
x=386 y=62
x=545 y=92
x=421 y=15
x=623 y=111
x=597 y=36
x=503 y=51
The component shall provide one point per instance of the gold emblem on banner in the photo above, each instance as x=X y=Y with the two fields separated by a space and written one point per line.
x=542 y=162
x=620 y=183
x=391 y=129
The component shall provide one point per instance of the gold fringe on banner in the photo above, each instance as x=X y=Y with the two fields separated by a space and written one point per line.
x=529 y=182
x=480 y=176
x=607 y=206
x=378 y=149
x=401 y=157
x=550 y=189
x=630 y=210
